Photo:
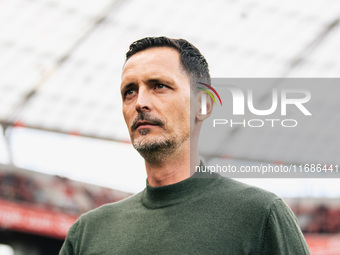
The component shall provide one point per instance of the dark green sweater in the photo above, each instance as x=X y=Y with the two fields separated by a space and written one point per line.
x=196 y=216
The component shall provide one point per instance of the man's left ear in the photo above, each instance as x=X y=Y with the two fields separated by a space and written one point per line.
x=206 y=105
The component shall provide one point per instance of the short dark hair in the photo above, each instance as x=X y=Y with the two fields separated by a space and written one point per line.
x=192 y=61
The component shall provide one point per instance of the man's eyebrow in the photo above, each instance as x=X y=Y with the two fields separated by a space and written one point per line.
x=152 y=80
x=127 y=86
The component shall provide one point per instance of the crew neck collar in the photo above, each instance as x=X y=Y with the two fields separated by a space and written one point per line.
x=163 y=196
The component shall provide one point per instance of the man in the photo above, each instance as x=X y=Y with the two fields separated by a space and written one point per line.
x=178 y=213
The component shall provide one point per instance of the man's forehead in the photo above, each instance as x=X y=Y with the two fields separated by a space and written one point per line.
x=153 y=61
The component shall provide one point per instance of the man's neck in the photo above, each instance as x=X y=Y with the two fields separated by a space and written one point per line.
x=172 y=170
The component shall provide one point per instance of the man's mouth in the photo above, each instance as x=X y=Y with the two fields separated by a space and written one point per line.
x=145 y=124
x=145 y=121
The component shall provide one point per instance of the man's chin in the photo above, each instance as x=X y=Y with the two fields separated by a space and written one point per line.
x=155 y=151
x=152 y=145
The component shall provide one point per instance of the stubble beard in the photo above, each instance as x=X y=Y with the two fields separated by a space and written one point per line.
x=157 y=150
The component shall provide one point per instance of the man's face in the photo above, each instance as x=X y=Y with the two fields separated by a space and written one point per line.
x=156 y=100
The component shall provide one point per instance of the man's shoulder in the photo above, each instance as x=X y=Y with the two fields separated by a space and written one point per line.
x=111 y=209
x=244 y=195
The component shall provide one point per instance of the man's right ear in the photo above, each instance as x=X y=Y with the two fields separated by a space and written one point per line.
x=206 y=105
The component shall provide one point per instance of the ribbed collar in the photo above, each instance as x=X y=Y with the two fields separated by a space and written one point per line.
x=158 y=197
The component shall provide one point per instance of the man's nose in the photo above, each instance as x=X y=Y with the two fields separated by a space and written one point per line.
x=143 y=102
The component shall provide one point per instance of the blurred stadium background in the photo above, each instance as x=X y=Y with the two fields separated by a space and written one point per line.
x=64 y=147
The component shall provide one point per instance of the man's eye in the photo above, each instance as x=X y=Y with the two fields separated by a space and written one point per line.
x=129 y=92
x=160 y=86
